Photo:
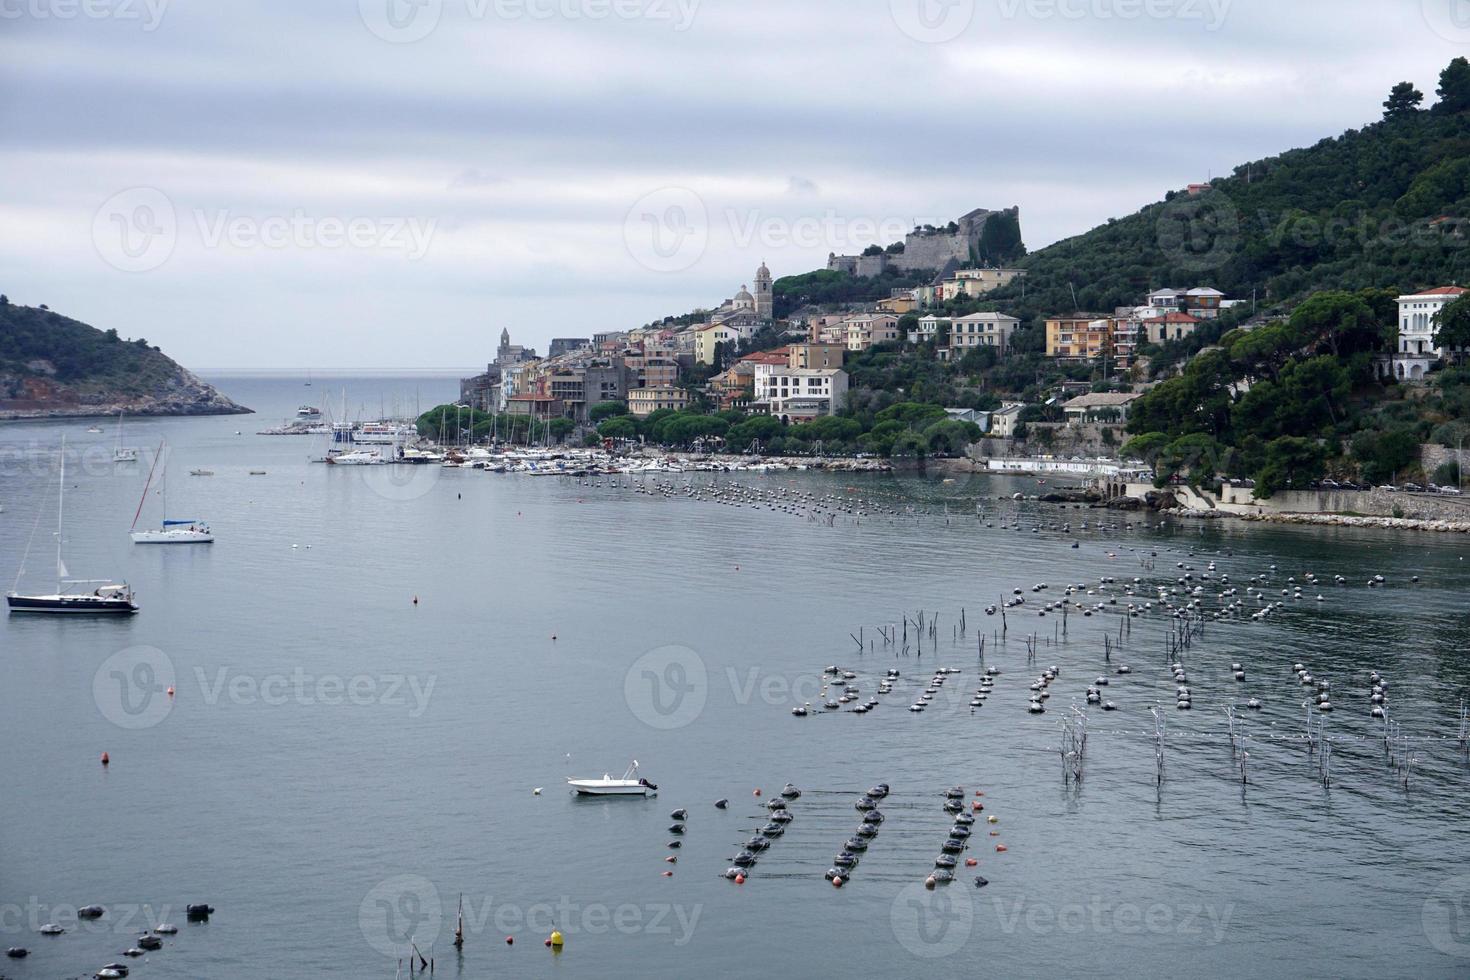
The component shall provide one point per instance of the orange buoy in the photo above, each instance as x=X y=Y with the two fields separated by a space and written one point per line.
x=976 y=807
x=105 y=759
x=837 y=881
x=170 y=692
x=757 y=791
x=740 y=879
x=970 y=862
x=672 y=859
x=1001 y=848
x=668 y=874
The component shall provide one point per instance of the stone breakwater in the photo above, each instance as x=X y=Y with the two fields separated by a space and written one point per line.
x=1346 y=520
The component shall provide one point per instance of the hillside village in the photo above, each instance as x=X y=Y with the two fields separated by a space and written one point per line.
x=955 y=342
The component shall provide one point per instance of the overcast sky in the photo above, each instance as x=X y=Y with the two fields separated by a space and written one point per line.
x=388 y=183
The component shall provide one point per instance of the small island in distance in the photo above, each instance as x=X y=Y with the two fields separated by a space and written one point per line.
x=52 y=366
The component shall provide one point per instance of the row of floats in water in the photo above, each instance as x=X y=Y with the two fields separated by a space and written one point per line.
x=148 y=942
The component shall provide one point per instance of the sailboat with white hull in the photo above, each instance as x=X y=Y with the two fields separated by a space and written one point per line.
x=170 y=531
x=105 y=597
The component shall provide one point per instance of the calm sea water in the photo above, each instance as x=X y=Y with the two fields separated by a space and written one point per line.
x=338 y=766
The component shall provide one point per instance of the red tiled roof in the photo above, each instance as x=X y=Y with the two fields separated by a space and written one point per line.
x=1174 y=318
x=1443 y=291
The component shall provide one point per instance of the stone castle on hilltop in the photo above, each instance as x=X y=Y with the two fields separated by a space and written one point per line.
x=982 y=237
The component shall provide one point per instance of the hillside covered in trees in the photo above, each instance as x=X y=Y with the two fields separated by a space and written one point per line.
x=54 y=365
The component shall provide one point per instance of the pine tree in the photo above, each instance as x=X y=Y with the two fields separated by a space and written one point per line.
x=1404 y=100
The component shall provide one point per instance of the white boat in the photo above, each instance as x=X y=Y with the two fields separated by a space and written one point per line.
x=382 y=434
x=123 y=454
x=106 y=597
x=308 y=411
x=169 y=531
x=629 y=785
x=360 y=457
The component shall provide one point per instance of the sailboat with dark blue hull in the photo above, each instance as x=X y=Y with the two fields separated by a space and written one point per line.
x=106 y=596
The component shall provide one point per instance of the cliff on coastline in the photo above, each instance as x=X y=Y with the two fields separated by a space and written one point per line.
x=54 y=366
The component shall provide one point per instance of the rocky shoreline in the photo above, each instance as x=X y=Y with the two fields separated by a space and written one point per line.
x=183 y=395
x=1355 y=520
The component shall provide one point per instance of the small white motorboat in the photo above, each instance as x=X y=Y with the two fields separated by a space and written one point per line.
x=630 y=785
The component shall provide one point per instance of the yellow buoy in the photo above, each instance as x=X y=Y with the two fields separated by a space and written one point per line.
x=556 y=939
x=993 y=819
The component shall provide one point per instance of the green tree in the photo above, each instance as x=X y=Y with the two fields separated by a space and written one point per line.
x=1454 y=87
x=561 y=428
x=1403 y=100
x=1292 y=463
x=619 y=427
x=1383 y=455
x=602 y=411
x=1452 y=327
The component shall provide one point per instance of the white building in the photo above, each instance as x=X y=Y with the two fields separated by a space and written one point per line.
x=982 y=330
x=1003 y=423
x=799 y=394
x=1418 y=321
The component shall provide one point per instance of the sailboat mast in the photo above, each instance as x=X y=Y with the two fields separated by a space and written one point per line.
x=146 y=486
x=60 y=505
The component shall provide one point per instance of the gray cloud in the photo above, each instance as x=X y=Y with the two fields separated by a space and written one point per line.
x=523 y=142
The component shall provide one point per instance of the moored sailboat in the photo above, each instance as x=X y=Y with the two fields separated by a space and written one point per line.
x=169 y=531
x=106 y=596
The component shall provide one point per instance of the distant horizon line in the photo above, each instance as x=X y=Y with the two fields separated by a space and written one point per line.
x=325 y=373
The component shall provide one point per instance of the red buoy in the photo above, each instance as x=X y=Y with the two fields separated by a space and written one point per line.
x=105 y=759
x=510 y=940
x=740 y=879
x=757 y=792
x=170 y=692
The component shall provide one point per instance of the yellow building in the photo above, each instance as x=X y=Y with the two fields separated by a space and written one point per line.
x=815 y=356
x=643 y=402
x=707 y=338
x=1079 y=337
